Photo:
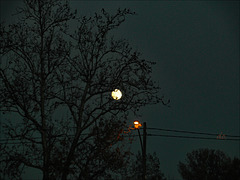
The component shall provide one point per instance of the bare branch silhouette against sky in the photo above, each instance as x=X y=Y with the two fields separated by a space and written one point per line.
x=195 y=45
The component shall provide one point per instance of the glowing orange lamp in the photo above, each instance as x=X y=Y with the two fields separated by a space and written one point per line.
x=137 y=124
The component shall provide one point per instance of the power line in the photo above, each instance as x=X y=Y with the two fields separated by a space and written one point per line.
x=193 y=137
x=233 y=137
x=191 y=132
x=161 y=135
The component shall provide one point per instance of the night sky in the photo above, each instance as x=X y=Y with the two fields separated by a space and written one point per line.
x=196 y=47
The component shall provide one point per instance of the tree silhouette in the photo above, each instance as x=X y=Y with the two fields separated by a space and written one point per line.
x=134 y=169
x=234 y=169
x=57 y=73
x=209 y=164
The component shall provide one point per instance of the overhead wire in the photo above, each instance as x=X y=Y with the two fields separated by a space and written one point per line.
x=221 y=136
x=191 y=132
x=225 y=138
x=194 y=137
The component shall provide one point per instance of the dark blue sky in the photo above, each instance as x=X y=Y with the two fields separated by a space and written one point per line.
x=196 y=47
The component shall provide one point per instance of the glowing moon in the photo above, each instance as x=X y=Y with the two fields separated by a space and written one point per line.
x=116 y=94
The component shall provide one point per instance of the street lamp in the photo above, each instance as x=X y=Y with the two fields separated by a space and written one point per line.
x=137 y=125
x=116 y=94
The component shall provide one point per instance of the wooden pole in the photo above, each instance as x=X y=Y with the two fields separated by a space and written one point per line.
x=144 y=150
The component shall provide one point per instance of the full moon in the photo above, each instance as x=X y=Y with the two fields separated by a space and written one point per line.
x=116 y=94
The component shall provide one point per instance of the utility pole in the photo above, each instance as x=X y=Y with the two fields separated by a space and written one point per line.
x=137 y=125
x=144 y=150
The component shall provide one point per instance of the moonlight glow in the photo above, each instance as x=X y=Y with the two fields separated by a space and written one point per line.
x=116 y=94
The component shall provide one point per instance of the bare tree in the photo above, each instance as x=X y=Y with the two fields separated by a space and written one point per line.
x=56 y=83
